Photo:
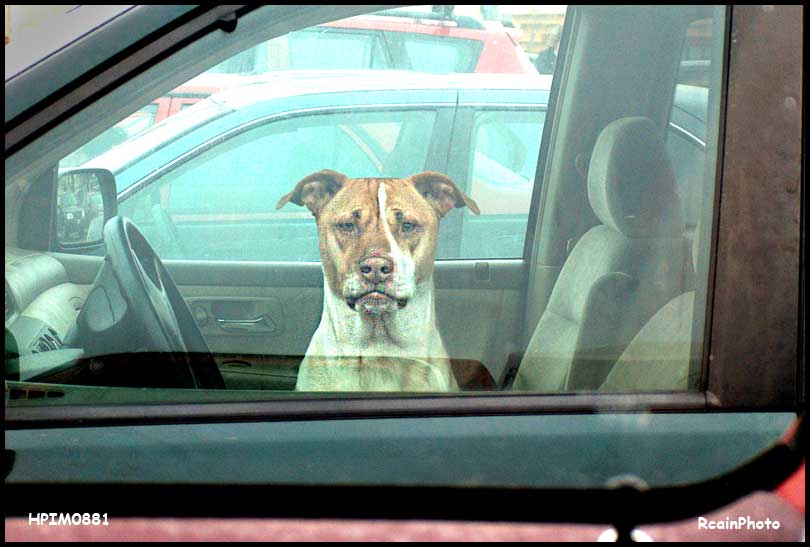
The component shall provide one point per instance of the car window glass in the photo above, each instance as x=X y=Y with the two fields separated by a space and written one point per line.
x=246 y=62
x=563 y=302
x=516 y=243
x=686 y=138
x=627 y=321
x=329 y=49
x=506 y=145
x=127 y=128
x=436 y=54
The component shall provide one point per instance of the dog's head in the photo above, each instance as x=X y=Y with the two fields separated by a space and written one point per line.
x=377 y=235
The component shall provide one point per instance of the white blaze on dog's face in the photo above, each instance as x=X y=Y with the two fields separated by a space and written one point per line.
x=377 y=236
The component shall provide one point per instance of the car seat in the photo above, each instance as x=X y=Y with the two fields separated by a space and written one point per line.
x=620 y=272
x=658 y=358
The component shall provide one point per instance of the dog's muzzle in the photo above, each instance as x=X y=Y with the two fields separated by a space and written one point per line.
x=375 y=302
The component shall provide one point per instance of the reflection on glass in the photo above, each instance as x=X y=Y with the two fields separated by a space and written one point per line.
x=79 y=208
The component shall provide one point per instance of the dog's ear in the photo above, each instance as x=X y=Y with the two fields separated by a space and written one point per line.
x=315 y=190
x=441 y=192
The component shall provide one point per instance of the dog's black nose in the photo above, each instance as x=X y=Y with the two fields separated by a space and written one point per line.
x=376 y=269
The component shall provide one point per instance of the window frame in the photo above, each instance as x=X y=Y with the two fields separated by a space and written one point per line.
x=742 y=78
x=628 y=503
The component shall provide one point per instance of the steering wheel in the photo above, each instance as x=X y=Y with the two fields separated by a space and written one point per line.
x=135 y=311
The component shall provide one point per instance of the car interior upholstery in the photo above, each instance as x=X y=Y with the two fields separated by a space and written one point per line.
x=620 y=272
x=39 y=287
x=659 y=357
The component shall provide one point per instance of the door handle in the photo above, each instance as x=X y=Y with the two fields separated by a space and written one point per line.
x=260 y=324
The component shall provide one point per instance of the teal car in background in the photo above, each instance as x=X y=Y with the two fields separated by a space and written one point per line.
x=170 y=177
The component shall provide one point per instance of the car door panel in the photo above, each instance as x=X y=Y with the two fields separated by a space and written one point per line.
x=288 y=298
x=290 y=295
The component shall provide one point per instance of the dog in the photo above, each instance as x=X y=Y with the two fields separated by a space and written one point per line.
x=377 y=240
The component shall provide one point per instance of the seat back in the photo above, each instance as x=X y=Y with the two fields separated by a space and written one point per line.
x=658 y=357
x=620 y=272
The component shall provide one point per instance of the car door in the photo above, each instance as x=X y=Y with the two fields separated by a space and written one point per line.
x=607 y=458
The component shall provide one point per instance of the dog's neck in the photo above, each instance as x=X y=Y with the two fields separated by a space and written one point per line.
x=409 y=332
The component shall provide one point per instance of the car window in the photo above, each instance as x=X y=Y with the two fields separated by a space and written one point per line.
x=247 y=62
x=362 y=239
x=251 y=175
x=238 y=182
x=506 y=146
x=686 y=138
x=436 y=54
x=686 y=147
x=325 y=48
x=127 y=128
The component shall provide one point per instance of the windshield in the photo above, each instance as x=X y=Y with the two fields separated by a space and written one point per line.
x=415 y=215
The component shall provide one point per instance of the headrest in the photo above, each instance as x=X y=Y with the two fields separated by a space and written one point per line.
x=630 y=181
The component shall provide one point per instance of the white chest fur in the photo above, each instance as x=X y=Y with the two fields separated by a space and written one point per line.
x=402 y=351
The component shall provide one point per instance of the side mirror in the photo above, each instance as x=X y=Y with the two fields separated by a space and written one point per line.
x=85 y=200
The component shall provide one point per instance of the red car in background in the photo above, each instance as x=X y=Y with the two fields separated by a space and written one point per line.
x=386 y=40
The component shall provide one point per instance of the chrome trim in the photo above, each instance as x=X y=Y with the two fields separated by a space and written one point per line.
x=517 y=106
x=178 y=161
x=261 y=324
x=687 y=135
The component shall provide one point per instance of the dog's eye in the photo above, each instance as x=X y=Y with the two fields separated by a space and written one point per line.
x=345 y=226
x=408 y=227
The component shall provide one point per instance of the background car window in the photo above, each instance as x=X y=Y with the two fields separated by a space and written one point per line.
x=686 y=137
x=506 y=145
x=324 y=48
x=435 y=54
x=250 y=61
x=686 y=147
x=222 y=202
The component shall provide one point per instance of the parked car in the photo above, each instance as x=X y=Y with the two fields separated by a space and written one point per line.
x=506 y=112
x=387 y=40
x=642 y=332
x=343 y=120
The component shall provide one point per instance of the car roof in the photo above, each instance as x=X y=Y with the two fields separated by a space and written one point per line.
x=276 y=86
x=288 y=83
